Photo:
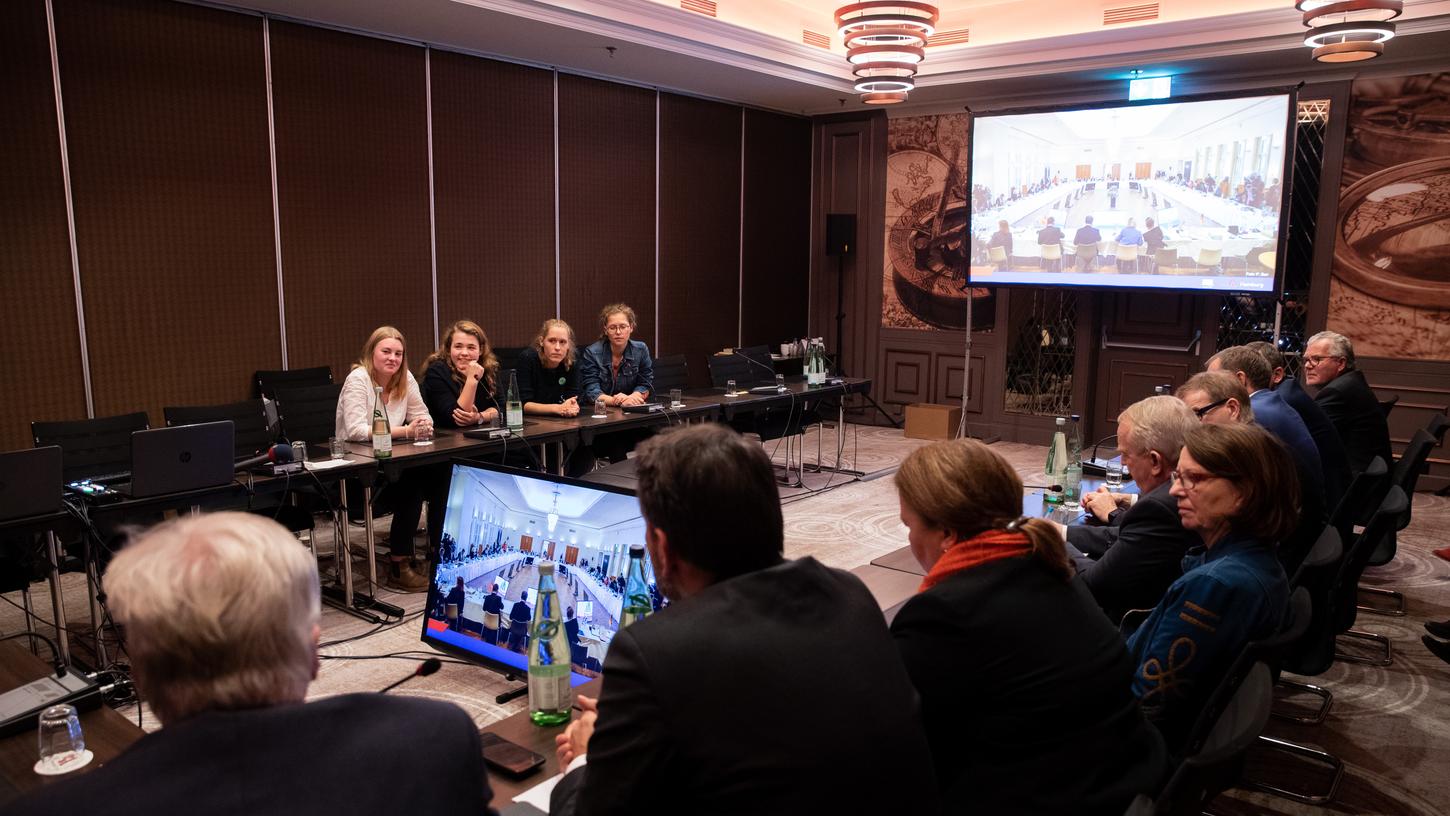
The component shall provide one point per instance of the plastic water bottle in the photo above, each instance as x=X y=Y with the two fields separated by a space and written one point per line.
x=637 y=603
x=382 y=429
x=513 y=408
x=549 y=694
x=1057 y=460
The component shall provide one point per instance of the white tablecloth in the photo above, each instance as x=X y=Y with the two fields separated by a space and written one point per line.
x=613 y=603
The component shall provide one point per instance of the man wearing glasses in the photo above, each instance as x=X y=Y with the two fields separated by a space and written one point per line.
x=1347 y=399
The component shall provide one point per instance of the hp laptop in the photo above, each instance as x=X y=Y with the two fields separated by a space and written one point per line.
x=186 y=457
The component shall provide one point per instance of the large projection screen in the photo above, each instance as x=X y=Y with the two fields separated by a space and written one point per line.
x=1179 y=194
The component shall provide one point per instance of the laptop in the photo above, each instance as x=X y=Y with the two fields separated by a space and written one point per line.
x=30 y=482
x=185 y=457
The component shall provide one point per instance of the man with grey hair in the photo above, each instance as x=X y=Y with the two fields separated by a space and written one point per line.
x=221 y=622
x=1137 y=555
x=1347 y=399
x=1331 y=450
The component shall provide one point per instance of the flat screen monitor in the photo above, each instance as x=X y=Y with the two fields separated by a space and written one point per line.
x=489 y=504
x=1185 y=194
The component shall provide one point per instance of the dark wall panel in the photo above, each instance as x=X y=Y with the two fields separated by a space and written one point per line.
x=166 y=120
x=38 y=310
x=493 y=185
x=699 y=229
x=777 y=231
x=352 y=186
x=606 y=202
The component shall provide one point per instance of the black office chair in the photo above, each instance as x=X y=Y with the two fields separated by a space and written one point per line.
x=91 y=448
x=1313 y=653
x=1388 y=405
x=1216 y=764
x=1346 y=590
x=1406 y=475
x=671 y=372
x=268 y=382
x=746 y=366
x=1437 y=426
x=249 y=417
x=308 y=414
x=1361 y=499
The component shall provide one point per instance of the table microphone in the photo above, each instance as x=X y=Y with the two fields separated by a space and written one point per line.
x=1094 y=465
x=278 y=454
x=424 y=669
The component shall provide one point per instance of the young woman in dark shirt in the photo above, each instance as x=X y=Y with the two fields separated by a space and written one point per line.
x=548 y=376
x=461 y=378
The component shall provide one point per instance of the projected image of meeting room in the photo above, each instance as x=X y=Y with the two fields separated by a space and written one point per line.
x=1177 y=195
x=500 y=526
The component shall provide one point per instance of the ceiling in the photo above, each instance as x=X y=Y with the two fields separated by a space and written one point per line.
x=1016 y=51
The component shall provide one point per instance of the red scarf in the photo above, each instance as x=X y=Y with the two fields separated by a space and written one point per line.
x=975 y=551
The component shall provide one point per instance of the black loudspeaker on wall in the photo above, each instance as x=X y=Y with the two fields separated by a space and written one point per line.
x=840 y=233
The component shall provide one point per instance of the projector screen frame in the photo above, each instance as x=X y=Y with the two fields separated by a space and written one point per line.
x=1286 y=193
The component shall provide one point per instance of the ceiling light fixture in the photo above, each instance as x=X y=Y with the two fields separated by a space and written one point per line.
x=1348 y=30
x=554 y=514
x=885 y=44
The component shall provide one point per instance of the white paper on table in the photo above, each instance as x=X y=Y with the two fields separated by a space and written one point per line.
x=538 y=795
x=325 y=464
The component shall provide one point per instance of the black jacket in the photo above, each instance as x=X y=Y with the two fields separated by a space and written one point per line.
x=1332 y=455
x=1351 y=405
x=774 y=692
x=356 y=754
x=440 y=394
x=1138 y=556
x=1026 y=694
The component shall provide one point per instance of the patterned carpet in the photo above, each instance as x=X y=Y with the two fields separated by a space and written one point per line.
x=1390 y=725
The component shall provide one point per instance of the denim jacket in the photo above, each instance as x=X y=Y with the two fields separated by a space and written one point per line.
x=596 y=372
x=1229 y=595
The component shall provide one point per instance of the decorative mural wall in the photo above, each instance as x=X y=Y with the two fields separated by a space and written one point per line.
x=1390 y=290
x=928 y=246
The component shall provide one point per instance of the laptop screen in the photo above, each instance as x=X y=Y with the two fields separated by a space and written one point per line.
x=500 y=525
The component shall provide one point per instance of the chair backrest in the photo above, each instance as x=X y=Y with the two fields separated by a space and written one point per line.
x=1361 y=499
x=746 y=366
x=1051 y=252
x=1127 y=252
x=1436 y=427
x=1209 y=257
x=1382 y=524
x=1165 y=257
x=1217 y=764
x=1313 y=653
x=308 y=414
x=269 y=381
x=249 y=417
x=508 y=357
x=998 y=254
x=1388 y=405
x=671 y=372
x=1412 y=462
x=453 y=612
x=91 y=447
x=490 y=620
x=1087 y=252
x=1271 y=650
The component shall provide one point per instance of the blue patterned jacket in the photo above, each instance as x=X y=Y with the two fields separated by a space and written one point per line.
x=1229 y=595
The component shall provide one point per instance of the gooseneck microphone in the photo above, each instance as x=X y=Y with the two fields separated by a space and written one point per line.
x=1094 y=465
x=424 y=669
x=278 y=454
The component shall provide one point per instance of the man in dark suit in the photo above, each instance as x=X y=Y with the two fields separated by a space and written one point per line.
x=1332 y=455
x=701 y=711
x=1137 y=555
x=1347 y=399
x=221 y=614
x=1274 y=414
x=455 y=599
x=1152 y=236
x=1087 y=233
x=1049 y=234
x=519 y=617
x=493 y=602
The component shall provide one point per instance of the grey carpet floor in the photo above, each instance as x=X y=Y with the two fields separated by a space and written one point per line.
x=1390 y=725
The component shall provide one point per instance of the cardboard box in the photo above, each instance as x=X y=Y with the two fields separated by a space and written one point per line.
x=925 y=420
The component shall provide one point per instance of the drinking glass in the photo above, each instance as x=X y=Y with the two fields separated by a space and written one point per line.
x=61 y=740
x=1072 y=489
x=675 y=398
x=729 y=388
x=780 y=382
x=601 y=411
x=1115 y=475
x=423 y=431
x=337 y=447
x=299 y=451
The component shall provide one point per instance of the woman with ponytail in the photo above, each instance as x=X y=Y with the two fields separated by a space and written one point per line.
x=1025 y=685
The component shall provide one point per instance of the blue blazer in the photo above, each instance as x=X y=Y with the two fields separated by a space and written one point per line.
x=596 y=373
x=1272 y=412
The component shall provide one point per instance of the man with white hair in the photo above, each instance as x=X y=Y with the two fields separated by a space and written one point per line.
x=1347 y=398
x=1139 y=551
x=221 y=627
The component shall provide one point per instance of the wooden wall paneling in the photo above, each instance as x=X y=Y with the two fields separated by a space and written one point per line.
x=606 y=203
x=166 y=120
x=1423 y=387
x=493 y=182
x=39 y=309
x=352 y=191
x=699 y=237
x=950 y=379
x=775 y=236
x=908 y=377
x=1147 y=333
